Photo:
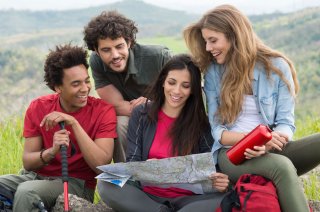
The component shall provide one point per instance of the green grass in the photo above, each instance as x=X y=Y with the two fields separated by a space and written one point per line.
x=176 y=44
x=305 y=127
x=312 y=186
x=11 y=142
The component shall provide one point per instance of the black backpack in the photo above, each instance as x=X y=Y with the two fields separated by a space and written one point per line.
x=6 y=199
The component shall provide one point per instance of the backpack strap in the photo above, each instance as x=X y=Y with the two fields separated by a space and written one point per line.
x=231 y=200
x=244 y=207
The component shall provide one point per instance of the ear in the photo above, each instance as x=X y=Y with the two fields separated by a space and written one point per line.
x=57 y=89
x=129 y=44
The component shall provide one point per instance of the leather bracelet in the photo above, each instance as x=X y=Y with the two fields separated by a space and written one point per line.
x=43 y=161
x=41 y=157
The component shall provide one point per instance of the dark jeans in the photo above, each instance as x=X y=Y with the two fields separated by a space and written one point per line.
x=132 y=199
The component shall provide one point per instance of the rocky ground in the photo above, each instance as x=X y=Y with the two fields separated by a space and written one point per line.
x=77 y=204
x=80 y=205
x=314 y=205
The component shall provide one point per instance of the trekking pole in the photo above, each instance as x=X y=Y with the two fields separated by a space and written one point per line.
x=64 y=170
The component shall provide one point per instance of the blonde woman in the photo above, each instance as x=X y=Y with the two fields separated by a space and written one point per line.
x=247 y=83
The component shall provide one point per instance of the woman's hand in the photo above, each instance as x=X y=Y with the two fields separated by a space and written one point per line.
x=257 y=151
x=220 y=181
x=278 y=141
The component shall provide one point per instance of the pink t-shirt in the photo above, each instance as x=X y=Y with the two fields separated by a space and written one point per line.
x=97 y=118
x=161 y=148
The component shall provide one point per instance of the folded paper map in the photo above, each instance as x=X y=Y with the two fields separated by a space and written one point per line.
x=188 y=172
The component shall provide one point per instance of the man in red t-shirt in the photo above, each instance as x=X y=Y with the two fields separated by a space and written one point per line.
x=90 y=129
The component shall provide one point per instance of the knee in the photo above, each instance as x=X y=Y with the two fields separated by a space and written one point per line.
x=23 y=190
x=25 y=197
x=107 y=192
x=282 y=168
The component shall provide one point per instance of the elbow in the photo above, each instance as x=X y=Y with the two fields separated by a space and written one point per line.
x=108 y=161
x=26 y=165
x=97 y=171
x=101 y=163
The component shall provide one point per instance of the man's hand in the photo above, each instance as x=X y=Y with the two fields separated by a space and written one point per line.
x=60 y=137
x=53 y=118
x=135 y=102
x=220 y=181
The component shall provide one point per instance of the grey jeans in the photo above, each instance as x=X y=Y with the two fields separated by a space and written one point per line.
x=31 y=188
x=130 y=198
x=283 y=168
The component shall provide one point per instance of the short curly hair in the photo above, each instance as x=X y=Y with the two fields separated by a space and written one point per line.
x=64 y=56
x=109 y=25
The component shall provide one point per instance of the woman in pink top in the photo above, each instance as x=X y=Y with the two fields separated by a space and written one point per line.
x=173 y=123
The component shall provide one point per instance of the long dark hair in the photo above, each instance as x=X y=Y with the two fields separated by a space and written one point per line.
x=192 y=121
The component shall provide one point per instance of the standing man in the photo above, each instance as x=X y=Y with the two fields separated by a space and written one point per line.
x=89 y=135
x=121 y=68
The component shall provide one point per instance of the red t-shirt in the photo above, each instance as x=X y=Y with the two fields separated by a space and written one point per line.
x=161 y=148
x=97 y=118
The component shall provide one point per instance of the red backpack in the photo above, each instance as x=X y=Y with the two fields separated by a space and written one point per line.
x=251 y=193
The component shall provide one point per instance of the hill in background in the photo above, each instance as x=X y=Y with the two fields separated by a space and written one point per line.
x=26 y=36
x=46 y=28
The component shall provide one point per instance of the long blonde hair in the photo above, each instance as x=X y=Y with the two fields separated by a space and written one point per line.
x=246 y=49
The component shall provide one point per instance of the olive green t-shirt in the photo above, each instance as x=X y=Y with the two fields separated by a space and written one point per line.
x=144 y=64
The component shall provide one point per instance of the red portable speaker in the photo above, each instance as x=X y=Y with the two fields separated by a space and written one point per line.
x=257 y=137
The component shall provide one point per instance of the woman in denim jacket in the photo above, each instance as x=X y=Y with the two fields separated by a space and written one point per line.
x=247 y=84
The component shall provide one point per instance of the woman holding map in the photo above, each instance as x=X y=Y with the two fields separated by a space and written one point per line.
x=172 y=123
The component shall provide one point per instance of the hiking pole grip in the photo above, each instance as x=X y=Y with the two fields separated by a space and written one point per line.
x=64 y=163
x=64 y=171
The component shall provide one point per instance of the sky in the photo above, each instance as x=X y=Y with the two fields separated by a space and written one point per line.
x=249 y=7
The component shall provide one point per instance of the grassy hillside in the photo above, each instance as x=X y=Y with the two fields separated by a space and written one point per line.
x=28 y=28
x=26 y=37
x=298 y=35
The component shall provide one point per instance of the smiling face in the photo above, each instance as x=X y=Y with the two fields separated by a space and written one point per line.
x=217 y=44
x=177 y=89
x=75 y=88
x=114 y=53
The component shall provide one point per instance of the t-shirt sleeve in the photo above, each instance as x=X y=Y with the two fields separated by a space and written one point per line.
x=108 y=123
x=31 y=129
x=98 y=73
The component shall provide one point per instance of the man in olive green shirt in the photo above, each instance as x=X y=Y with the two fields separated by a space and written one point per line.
x=121 y=68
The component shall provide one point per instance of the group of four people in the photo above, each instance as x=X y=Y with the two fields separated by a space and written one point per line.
x=246 y=83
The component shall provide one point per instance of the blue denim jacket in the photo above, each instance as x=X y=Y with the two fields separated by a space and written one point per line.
x=274 y=100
